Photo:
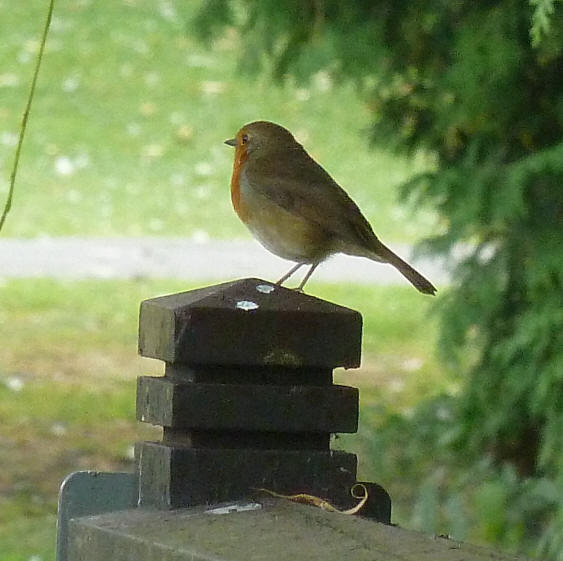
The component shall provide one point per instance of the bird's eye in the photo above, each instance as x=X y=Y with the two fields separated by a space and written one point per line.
x=244 y=138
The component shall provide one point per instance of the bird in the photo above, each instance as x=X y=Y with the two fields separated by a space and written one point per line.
x=296 y=210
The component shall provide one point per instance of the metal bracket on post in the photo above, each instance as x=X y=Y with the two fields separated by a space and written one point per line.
x=86 y=493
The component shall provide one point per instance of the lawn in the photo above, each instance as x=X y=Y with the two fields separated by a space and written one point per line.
x=67 y=385
x=127 y=128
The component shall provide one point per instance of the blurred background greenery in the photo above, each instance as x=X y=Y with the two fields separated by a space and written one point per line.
x=125 y=138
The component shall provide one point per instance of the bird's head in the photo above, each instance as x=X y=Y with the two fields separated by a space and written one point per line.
x=261 y=137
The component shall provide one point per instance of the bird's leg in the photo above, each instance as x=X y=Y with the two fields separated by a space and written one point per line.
x=291 y=271
x=307 y=276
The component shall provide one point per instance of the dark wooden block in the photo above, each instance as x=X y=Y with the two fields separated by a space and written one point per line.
x=249 y=322
x=198 y=438
x=176 y=476
x=170 y=403
x=241 y=374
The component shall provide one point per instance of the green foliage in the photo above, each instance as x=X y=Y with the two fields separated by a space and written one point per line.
x=541 y=19
x=463 y=81
x=456 y=492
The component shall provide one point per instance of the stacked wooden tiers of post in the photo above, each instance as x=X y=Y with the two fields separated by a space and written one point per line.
x=247 y=399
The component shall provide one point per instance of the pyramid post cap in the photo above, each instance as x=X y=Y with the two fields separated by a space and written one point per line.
x=249 y=322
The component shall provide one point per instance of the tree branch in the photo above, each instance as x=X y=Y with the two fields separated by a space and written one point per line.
x=8 y=204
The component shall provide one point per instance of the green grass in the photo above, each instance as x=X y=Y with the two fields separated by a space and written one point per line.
x=68 y=363
x=28 y=539
x=127 y=128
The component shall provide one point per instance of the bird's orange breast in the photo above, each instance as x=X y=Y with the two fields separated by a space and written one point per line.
x=241 y=155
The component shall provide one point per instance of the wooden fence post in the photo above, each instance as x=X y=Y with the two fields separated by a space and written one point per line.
x=247 y=399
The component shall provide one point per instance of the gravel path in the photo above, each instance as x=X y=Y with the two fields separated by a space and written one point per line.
x=127 y=258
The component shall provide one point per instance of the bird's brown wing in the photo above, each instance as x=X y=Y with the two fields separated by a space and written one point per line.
x=298 y=184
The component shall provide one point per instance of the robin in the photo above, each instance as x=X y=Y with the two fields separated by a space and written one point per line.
x=296 y=210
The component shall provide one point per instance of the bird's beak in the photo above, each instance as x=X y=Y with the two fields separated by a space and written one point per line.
x=231 y=142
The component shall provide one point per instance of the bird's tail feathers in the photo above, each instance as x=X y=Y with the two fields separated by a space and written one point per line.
x=383 y=253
